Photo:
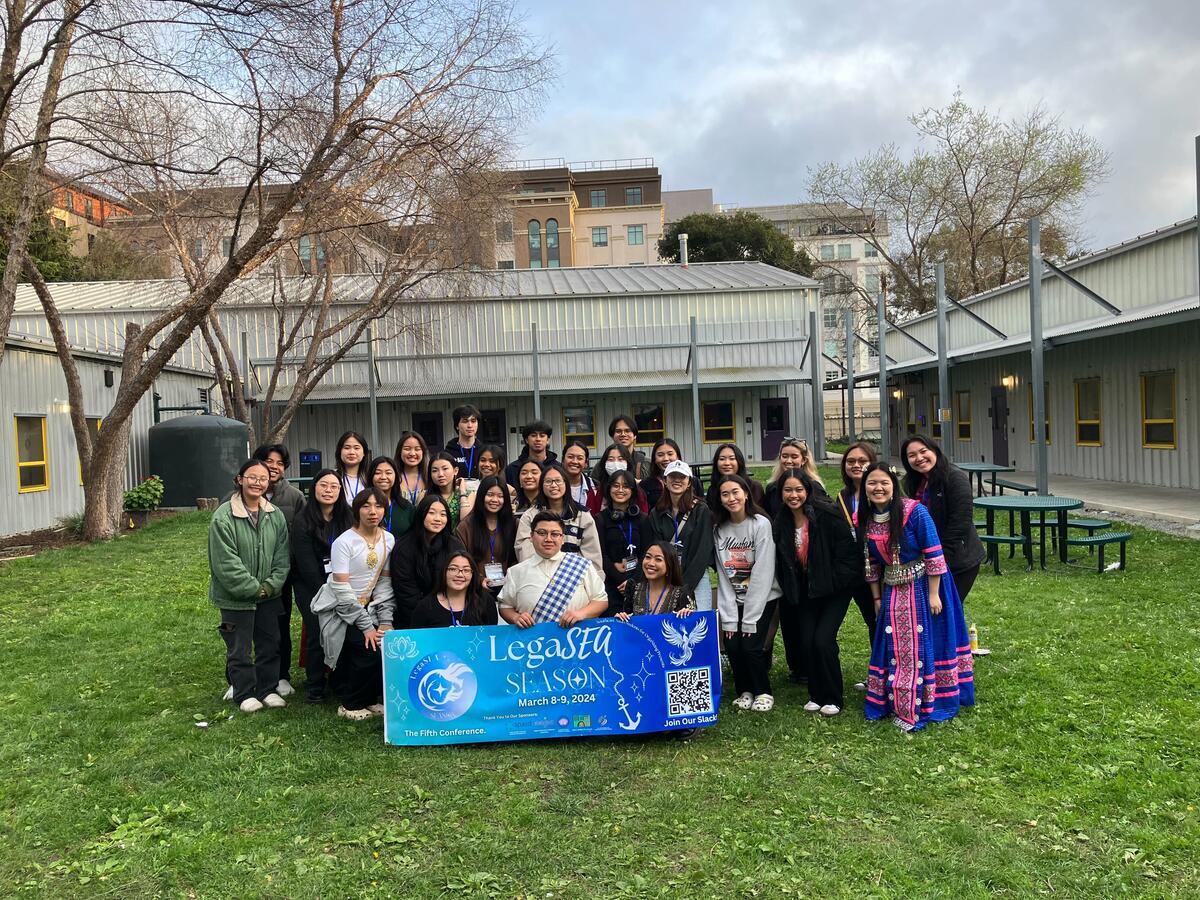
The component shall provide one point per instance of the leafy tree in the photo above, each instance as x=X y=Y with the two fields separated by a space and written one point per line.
x=964 y=197
x=49 y=247
x=738 y=236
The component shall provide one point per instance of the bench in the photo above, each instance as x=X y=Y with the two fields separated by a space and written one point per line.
x=1003 y=483
x=1100 y=541
x=1091 y=526
x=994 y=541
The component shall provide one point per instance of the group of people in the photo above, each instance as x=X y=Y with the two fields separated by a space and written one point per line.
x=461 y=536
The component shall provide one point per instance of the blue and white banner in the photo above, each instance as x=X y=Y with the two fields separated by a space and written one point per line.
x=601 y=677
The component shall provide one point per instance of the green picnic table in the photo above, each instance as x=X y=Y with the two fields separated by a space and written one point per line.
x=979 y=469
x=1026 y=506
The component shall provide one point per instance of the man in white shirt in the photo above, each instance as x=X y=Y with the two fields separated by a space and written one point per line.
x=527 y=582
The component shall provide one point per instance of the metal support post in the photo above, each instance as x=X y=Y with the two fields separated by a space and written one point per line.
x=371 y=387
x=851 y=430
x=694 y=359
x=943 y=347
x=818 y=389
x=1036 y=350
x=881 y=324
x=537 y=386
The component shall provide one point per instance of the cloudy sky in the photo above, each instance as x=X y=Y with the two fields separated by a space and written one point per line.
x=745 y=96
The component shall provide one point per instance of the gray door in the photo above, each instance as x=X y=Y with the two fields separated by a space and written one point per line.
x=429 y=426
x=999 y=415
x=774 y=421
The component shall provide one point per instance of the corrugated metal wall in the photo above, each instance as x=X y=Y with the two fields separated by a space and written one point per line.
x=1119 y=362
x=32 y=383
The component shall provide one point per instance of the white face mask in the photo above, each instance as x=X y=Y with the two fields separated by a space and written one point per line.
x=613 y=466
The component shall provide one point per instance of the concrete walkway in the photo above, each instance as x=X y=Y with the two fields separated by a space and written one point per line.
x=1149 y=501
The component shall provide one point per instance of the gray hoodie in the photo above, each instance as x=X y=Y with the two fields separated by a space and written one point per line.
x=745 y=559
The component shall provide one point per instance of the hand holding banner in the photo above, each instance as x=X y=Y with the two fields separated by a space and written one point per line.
x=600 y=677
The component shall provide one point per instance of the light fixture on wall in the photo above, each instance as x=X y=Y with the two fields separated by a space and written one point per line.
x=1009 y=381
x=897 y=394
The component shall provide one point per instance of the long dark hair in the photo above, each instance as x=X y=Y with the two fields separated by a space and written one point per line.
x=523 y=502
x=341 y=519
x=674 y=567
x=395 y=495
x=570 y=507
x=477 y=599
x=656 y=470
x=627 y=478
x=475 y=527
x=600 y=474
x=429 y=552
x=686 y=502
x=913 y=478
x=895 y=509
x=872 y=457
x=446 y=457
x=497 y=453
x=721 y=514
x=337 y=453
x=404 y=436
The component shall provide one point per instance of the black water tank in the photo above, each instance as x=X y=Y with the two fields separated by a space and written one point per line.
x=197 y=456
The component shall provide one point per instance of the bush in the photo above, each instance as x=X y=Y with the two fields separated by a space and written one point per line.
x=72 y=525
x=146 y=496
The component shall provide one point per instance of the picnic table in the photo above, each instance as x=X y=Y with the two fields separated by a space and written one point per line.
x=1026 y=506
x=979 y=469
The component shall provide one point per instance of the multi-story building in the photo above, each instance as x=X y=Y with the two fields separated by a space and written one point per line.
x=84 y=210
x=678 y=204
x=598 y=213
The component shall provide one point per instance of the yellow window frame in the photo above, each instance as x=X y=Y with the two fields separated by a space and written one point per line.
x=587 y=437
x=43 y=463
x=1098 y=421
x=959 y=418
x=1160 y=445
x=732 y=428
x=660 y=433
x=1046 y=398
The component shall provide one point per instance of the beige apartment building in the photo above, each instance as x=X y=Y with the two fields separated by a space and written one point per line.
x=581 y=214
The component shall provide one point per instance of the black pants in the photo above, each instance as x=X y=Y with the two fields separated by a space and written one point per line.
x=866 y=605
x=748 y=657
x=964 y=581
x=358 y=678
x=251 y=649
x=819 y=620
x=314 y=653
x=790 y=623
x=285 y=631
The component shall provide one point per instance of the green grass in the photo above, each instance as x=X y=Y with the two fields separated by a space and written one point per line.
x=1076 y=775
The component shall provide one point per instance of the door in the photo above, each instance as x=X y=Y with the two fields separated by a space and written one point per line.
x=999 y=415
x=774 y=423
x=429 y=426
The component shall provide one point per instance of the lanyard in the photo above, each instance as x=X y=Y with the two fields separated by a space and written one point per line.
x=679 y=523
x=581 y=494
x=653 y=610
x=346 y=482
x=492 y=546
x=412 y=495
x=387 y=520
x=456 y=619
x=470 y=459
x=629 y=537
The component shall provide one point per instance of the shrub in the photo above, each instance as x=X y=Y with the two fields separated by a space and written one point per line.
x=146 y=496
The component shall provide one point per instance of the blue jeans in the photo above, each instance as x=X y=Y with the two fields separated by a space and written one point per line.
x=704 y=594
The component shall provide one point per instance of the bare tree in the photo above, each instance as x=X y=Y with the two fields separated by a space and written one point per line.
x=966 y=201
x=314 y=112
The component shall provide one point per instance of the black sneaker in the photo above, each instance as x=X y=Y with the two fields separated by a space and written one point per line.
x=314 y=697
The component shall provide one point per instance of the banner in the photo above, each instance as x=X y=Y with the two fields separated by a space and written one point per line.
x=501 y=683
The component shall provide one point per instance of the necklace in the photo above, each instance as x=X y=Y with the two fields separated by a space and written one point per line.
x=372 y=556
x=881 y=517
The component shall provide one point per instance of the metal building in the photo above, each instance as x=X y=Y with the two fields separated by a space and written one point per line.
x=1122 y=383
x=576 y=346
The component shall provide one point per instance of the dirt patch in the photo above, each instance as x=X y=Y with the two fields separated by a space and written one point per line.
x=16 y=546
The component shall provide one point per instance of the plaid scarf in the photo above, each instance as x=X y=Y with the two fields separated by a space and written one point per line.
x=553 y=602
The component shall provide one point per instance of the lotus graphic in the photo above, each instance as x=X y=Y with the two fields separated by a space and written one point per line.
x=442 y=686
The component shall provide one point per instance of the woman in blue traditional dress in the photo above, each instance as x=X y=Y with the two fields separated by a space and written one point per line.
x=921 y=668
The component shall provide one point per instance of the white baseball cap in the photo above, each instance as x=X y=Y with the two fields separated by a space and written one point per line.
x=678 y=467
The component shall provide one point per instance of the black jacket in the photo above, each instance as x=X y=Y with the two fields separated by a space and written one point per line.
x=615 y=536
x=834 y=564
x=653 y=488
x=310 y=552
x=463 y=457
x=713 y=497
x=772 y=500
x=513 y=470
x=428 y=613
x=951 y=505
x=415 y=569
x=696 y=535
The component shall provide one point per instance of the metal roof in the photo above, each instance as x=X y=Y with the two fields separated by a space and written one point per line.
x=473 y=286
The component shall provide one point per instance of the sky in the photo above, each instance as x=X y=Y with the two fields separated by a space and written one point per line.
x=745 y=97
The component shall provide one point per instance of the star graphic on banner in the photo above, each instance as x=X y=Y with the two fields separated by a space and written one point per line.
x=642 y=675
x=473 y=647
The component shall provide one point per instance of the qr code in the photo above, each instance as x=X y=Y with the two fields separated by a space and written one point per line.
x=689 y=692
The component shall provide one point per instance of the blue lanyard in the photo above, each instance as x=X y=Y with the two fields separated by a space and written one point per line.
x=456 y=620
x=629 y=537
x=387 y=520
x=652 y=610
x=412 y=495
x=492 y=547
x=471 y=460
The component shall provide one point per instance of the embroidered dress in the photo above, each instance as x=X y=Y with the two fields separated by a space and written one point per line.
x=921 y=668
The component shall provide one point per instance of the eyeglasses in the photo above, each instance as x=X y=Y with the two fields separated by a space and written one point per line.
x=457 y=570
x=557 y=482
x=622 y=431
x=857 y=463
x=255 y=479
x=546 y=535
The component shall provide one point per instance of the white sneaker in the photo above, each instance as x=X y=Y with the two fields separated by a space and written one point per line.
x=763 y=703
x=376 y=708
x=830 y=710
x=285 y=688
x=743 y=701
x=274 y=701
x=250 y=705
x=354 y=715
x=860 y=686
x=228 y=695
x=810 y=706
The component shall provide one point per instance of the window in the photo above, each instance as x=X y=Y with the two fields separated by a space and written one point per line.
x=718 y=421
x=635 y=235
x=226 y=246
x=826 y=252
x=935 y=420
x=600 y=197
x=1087 y=413
x=870 y=251
x=910 y=414
x=830 y=316
x=312 y=255
x=962 y=402
x=552 y=243
x=579 y=424
x=196 y=249
x=1158 y=410
x=633 y=196
x=506 y=264
x=493 y=427
x=93 y=424
x=89 y=208
x=504 y=232
x=600 y=236
x=872 y=284
x=1046 y=400
x=33 y=469
x=203 y=395
x=535 y=244
x=69 y=201
x=843 y=251
x=651 y=422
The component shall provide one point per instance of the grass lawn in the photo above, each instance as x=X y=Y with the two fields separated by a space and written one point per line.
x=1075 y=775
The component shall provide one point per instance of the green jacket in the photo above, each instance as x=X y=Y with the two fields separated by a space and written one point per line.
x=242 y=558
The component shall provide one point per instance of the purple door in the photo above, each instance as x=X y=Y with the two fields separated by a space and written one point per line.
x=999 y=414
x=774 y=422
